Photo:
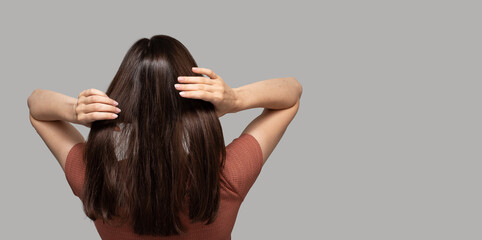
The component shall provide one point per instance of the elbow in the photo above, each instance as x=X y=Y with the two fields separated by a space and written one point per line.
x=298 y=87
x=31 y=99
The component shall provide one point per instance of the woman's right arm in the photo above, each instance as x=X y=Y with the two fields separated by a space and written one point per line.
x=280 y=98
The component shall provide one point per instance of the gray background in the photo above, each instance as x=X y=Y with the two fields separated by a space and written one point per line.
x=386 y=144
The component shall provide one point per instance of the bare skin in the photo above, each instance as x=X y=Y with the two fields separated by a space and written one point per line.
x=52 y=113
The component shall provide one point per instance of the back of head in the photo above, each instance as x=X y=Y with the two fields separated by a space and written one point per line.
x=168 y=153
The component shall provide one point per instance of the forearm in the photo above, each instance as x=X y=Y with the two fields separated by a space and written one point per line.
x=276 y=93
x=46 y=105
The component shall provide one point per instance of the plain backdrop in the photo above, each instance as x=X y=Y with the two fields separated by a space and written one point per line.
x=386 y=143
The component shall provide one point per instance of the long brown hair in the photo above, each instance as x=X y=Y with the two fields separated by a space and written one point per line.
x=167 y=157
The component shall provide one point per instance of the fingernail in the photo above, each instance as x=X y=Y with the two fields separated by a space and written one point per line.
x=180 y=78
x=177 y=85
x=116 y=103
x=194 y=68
x=117 y=110
x=181 y=93
x=114 y=115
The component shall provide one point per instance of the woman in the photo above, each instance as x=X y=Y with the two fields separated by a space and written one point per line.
x=155 y=164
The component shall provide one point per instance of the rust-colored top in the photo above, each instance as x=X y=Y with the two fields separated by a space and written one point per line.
x=244 y=161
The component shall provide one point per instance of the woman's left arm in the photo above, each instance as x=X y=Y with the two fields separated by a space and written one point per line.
x=51 y=114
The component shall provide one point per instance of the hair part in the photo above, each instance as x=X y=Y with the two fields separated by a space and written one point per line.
x=167 y=157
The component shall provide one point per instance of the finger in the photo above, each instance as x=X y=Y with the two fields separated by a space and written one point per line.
x=92 y=91
x=97 y=99
x=188 y=79
x=203 y=95
x=95 y=116
x=193 y=87
x=205 y=71
x=100 y=107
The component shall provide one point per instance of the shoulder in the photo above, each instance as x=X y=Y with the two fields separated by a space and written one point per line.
x=75 y=168
x=244 y=161
x=245 y=143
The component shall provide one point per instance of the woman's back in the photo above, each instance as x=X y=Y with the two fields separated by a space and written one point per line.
x=244 y=161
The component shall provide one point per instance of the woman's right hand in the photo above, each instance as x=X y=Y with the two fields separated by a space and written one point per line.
x=212 y=89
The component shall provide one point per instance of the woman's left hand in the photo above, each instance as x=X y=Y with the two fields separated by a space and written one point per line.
x=93 y=105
